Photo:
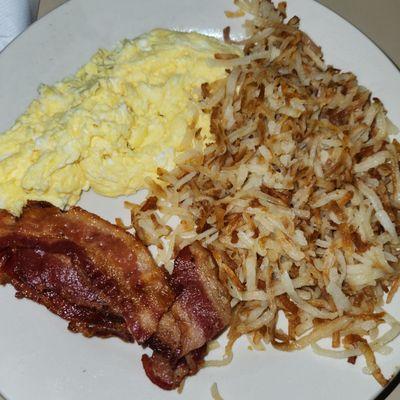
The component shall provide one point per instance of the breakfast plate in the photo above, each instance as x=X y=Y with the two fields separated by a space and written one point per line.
x=40 y=359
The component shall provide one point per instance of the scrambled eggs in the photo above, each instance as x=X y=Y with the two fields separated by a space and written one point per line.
x=123 y=115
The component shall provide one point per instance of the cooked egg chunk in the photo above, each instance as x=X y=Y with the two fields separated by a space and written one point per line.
x=123 y=115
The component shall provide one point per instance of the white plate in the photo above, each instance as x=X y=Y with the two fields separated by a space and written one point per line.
x=39 y=358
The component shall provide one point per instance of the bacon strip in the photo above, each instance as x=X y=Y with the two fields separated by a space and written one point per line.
x=45 y=274
x=200 y=312
x=105 y=283
x=84 y=269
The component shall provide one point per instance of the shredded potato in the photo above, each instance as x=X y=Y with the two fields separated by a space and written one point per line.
x=297 y=199
x=215 y=393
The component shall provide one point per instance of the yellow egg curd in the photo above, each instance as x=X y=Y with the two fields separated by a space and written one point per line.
x=126 y=113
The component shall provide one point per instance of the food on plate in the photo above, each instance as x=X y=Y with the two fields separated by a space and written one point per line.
x=84 y=269
x=104 y=281
x=124 y=114
x=200 y=312
x=298 y=198
x=273 y=200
